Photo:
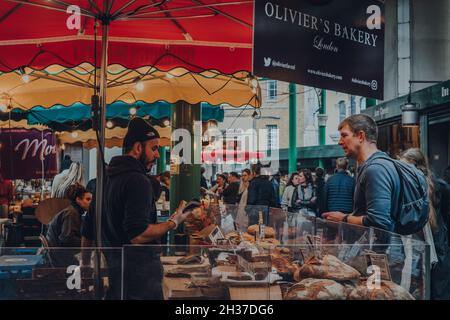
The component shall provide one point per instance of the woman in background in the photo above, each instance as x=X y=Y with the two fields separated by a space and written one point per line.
x=440 y=276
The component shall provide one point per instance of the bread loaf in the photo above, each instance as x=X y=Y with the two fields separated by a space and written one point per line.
x=268 y=231
x=329 y=267
x=387 y=290
x=316 y=289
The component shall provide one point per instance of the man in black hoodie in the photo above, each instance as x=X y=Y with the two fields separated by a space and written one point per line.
x=130 y=215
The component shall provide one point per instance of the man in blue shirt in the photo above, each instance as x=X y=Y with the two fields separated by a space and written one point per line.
x=377 y=192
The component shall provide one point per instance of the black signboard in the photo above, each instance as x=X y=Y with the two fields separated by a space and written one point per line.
x=330 y=44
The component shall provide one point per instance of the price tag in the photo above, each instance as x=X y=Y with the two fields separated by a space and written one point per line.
x=215 y=235
x=381 y=261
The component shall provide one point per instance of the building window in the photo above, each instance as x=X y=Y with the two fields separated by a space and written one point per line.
x=272 y=138
x=342 y=110
x=352 y=105
x=272 y=90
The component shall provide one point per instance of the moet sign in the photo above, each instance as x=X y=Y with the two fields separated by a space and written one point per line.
x=335 y=44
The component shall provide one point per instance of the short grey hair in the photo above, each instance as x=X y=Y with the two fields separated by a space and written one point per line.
x=364 y=123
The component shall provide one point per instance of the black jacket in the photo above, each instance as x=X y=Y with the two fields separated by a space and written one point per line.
x=65 y=228
x=230 y=194
x=129 y=203
x=64 y=231
x=261 y=192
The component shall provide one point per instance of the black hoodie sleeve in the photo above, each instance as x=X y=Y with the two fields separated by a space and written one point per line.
x=137 y=205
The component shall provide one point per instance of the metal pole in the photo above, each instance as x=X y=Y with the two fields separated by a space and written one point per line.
x=292 y=128
x=370 y=102
x=322 y=121
x=162 y=160
x=100 y=151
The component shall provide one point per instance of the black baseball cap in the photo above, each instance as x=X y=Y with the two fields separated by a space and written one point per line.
x=139 y=130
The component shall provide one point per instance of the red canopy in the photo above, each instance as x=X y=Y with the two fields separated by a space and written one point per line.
x=195 y=34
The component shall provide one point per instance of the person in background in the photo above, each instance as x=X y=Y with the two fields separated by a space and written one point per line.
x=221 y=184
x=231 y=191
x=203 y=181
x=260 y=195
x=339 y=189
x=291 y=188
x=276 y=188
x=68 y=177
x=64 y=230
x=440 y=276
x=165 y=184
x=284 y=179
x=66 y=162
x=6 y=196
x=306 y=200
x=446 y=179
x=319 y=184
x=246 y=176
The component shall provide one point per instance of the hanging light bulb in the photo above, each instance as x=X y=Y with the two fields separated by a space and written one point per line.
x=109 y=124
x=166 y=122
x=74 y=134
x=132 y=111
x=63 y=147
x=140 y=86
x=25 y=76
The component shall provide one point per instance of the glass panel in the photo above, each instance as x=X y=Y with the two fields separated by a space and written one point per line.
x=58 y=274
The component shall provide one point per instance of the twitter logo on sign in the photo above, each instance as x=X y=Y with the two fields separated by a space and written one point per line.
x=267 y=62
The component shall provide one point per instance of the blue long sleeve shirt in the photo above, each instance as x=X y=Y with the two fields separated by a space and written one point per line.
x=377 y=192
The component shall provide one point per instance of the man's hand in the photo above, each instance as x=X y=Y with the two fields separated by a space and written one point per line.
x=178 y=217
x=334 y=216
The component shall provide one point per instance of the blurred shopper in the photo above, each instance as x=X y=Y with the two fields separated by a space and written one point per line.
x=6 y=196
x=291 y=188
x=319 y=184
x=241 y=219
x=260 y=195
x=446 y=179
x=231 y=191
x=68 y=177
x=221 y=184
x=440 y=276
x=339 y=189
x=64 y=230
x=284 y=178
x=276 y=188
x=306 y=202
x=246 y=177
x=203 y=181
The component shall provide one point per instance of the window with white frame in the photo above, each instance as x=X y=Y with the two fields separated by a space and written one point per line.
x=272 y=90
x=342 y=110
x=272 y=138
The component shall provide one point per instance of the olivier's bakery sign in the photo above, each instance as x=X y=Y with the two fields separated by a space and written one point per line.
x=330 y=44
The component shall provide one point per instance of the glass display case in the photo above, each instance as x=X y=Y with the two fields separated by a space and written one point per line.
x=230 y=252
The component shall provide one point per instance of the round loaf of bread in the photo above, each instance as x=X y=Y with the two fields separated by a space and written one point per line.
x=268 y=231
